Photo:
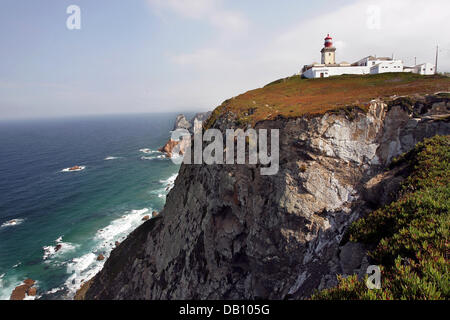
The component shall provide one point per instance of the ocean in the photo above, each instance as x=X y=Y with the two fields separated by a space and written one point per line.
x=54 y=223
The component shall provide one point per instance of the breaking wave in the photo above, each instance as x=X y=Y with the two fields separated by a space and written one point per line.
x=160 y=157
x=148 y=151
x=60 y=248
x=83 y=268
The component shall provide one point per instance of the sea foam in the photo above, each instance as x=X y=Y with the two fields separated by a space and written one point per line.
x=158 y=157
x=12 y=223
x=52 y=251
x=147 y=151
x=83 y=268
x=81 y=168
x=168 y=184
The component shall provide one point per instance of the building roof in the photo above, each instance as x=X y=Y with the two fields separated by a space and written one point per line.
x=381 y=58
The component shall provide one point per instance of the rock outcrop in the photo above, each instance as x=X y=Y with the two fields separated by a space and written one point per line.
x=168 y=148
x=182 y=123
x=24 y=290
x=227 y=232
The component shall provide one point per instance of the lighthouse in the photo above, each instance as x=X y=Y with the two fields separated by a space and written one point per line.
x=328 y=51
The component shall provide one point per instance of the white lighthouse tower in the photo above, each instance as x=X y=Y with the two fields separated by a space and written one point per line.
x=328 y=51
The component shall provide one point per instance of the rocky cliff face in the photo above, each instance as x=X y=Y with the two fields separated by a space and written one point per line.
x=227 y=232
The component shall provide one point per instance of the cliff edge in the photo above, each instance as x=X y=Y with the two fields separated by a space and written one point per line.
x=228 y=232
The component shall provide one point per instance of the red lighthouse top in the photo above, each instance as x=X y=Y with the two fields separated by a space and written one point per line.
x=328 y=41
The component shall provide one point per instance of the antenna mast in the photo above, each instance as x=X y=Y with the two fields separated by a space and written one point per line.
x=436 y=64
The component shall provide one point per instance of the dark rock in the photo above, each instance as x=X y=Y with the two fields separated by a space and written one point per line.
x=351 y=257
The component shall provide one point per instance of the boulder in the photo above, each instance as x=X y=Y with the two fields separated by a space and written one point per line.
x=19 y=292
x=32 y=291
x=155 y=214
x=100 y=257
x=145 y=218
x=29 y=282
x=117 y=243
x=58 y=247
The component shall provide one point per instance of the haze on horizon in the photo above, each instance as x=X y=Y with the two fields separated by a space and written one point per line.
x=190 y=55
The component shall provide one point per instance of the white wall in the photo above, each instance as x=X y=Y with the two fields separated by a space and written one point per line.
x=387 y=66
x=424 y=69
x=315 y=72
x=381 y=67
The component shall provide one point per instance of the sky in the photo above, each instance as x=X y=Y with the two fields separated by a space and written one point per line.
x=143 y=56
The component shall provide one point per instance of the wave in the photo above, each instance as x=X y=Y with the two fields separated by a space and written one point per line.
x=155 y=154
x=168 y=184
x=160 y=157
x=12 y=223
x=111 y=158
x=74 y=169
x=148 y=151
x=85 y=267
x=58 y=249
x=7 y=285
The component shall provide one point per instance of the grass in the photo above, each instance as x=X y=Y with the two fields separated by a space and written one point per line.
x=295 y=97
x=410 y=236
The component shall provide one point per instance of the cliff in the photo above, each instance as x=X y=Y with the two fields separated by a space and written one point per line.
x=228 y=232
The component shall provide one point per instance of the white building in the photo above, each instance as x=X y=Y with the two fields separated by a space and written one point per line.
x=387 y=66
x=425 y=69
x=325 y=71
x=368 y=65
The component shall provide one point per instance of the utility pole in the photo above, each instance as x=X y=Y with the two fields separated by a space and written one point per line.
x=415 y=61
x=436 y=64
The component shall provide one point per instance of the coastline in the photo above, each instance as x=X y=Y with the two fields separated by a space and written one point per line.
x=82 y=215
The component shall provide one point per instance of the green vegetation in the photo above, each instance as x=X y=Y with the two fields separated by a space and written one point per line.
x=410 y=236
x=294 y=96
